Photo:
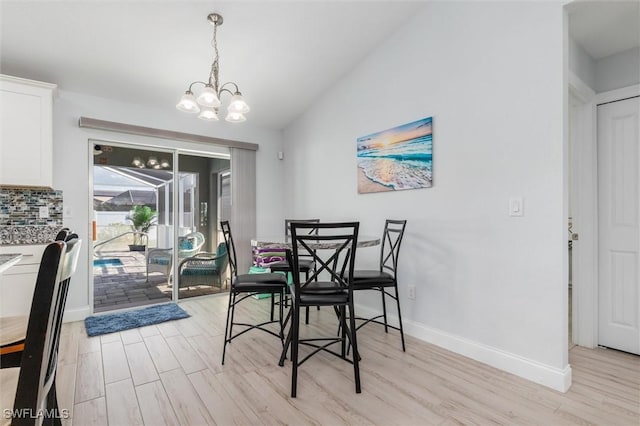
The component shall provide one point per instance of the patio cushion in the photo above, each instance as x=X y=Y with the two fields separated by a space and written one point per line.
x=159 y=260
x=202 y=269
x=221 y=261
x=186 y=243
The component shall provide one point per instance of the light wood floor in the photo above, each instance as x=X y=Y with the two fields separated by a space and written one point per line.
x=171 y=374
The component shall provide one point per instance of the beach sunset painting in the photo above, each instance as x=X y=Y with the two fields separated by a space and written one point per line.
x=396 y=159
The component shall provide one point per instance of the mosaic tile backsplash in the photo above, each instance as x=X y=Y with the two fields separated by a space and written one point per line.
x=20 y=221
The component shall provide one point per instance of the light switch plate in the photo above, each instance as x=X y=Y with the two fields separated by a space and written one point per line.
x=516 y=207
x=44 y=212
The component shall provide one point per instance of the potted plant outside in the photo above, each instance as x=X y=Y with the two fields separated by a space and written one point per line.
x=142 y=219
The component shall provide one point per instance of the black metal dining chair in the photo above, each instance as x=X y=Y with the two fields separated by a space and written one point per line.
x=329 y=285
x=244 y=286
x=306 y=262
x=384 y=279
x=35 y=397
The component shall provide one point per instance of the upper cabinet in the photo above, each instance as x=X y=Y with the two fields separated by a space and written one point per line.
x=26 y=136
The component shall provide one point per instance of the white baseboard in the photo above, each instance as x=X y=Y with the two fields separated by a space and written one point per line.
x=555 y=378
x=78 y=314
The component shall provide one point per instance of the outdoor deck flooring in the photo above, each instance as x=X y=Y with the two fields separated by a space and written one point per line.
x=126 y=286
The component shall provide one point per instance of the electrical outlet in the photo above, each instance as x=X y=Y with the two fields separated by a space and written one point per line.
x=412 y=292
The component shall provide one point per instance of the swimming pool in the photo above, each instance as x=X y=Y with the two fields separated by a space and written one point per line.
x=107 y=262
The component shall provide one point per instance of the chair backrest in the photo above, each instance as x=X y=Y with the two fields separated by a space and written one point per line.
x=222 y=257
x=307 y=238
x=287 y=224
x=231 y=248
x=190 y=244
x=287 y=228
x=391 y=240
x=40 y=355
x=62 y=234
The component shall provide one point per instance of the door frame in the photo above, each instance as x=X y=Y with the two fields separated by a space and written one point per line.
x=175 y=152
x=584 y=170
x=583 y=162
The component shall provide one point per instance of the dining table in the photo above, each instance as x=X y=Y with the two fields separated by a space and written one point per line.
x=14 y=328
x=284 y=241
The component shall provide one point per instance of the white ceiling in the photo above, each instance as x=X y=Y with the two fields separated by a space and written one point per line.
x=603 y=28
x=283 y=54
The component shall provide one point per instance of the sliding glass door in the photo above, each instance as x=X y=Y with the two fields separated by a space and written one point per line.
x=132 y=226
x=201 y=256
x=151 y=243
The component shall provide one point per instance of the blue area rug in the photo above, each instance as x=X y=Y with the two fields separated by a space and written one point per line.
x=110 y=323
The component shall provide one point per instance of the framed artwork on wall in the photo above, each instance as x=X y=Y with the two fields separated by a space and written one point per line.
x=396 y=159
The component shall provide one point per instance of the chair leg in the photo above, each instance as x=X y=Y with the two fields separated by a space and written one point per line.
x=281 y=313
x=354 y=344
x=306 y=313
x=54 y=415
x=273 y=302
x=287 y=343
x=384 y=309
x=400 y=318
x=227 y=328
x=343 y=330
x=295 y=329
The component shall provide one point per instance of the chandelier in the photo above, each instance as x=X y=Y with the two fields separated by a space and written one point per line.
x=207 y=103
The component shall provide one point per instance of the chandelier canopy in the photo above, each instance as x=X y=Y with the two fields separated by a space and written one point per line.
x=207 y=103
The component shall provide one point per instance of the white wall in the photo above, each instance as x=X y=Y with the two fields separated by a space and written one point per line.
x=582 y=64
x=489 y=286
x=617 y=71
x=71 y=164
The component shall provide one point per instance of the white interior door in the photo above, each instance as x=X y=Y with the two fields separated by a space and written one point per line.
x=618 y=225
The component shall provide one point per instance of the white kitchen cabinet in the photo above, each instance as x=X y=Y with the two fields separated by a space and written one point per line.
x=18 y=282
x=26 y=137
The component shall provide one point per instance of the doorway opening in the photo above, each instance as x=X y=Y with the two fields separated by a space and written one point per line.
x=153 y=239
x=604 y=195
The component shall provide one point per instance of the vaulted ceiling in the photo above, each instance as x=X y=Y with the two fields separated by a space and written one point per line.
x=283 y=54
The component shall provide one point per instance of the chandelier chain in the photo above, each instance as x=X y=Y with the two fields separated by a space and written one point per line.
x=213 y=76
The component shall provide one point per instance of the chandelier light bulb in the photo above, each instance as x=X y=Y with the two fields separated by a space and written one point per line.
x=208 y=98
x=164 y=163
x=235 y=117
x=152 y=162
x=188 y=103
x=208 y=114
x=137 y=162
x=237 y=104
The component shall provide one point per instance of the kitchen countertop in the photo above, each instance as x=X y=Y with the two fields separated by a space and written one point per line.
x=17 y=246
x=8 y=260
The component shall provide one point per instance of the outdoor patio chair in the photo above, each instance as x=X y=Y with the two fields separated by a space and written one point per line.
x=161 y=259
x=204 y=268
